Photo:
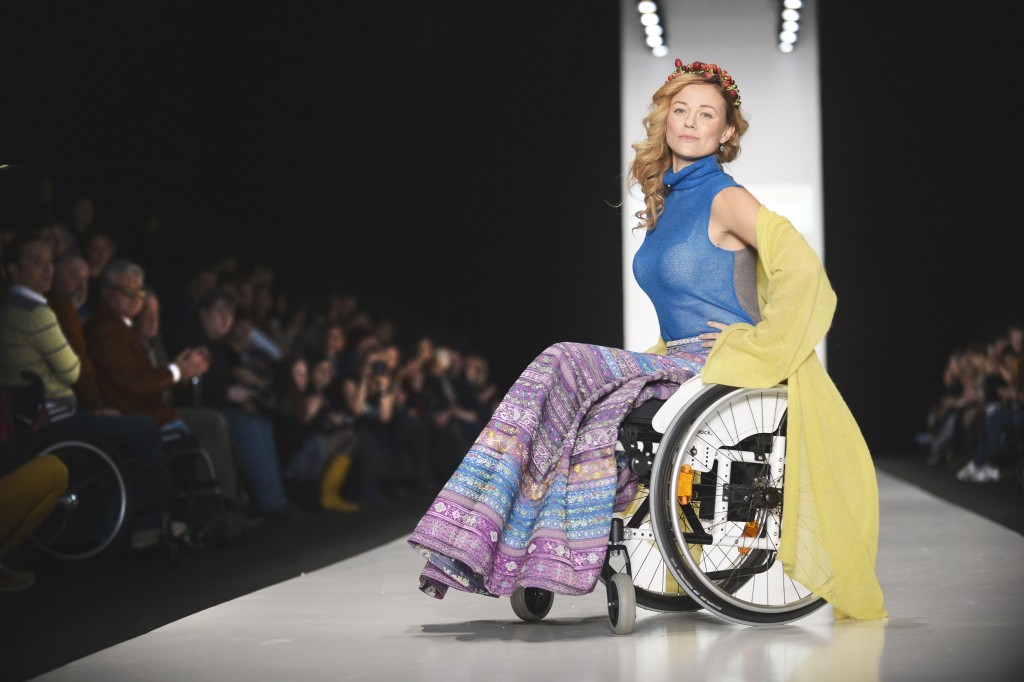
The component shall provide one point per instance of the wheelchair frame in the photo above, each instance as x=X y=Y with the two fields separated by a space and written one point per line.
x=704 y=527
x=92 y=521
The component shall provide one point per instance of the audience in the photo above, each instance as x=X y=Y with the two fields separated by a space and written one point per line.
x=315 y=434
x=369 y=394
x=129 y=380
x=33 y=343
x=247 y=408
x=208 y=426
x=305 y=404
x=976 y=425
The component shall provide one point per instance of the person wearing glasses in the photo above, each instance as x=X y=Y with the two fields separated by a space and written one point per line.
x=127 y=378
x=32 y=341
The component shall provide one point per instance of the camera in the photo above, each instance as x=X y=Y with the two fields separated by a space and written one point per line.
x=379 y=367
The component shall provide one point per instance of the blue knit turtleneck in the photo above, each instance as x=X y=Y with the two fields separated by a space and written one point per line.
x=688 y=279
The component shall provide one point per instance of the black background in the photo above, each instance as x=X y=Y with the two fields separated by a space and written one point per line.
x=457 y=164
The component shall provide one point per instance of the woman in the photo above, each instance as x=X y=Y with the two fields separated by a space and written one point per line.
x=369 y=394
x=742 y=300
x=316 y=436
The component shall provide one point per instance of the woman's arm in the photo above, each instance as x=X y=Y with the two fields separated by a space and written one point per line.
x=733 y=222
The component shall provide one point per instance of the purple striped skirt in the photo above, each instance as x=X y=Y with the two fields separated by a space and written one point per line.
x=531 y=503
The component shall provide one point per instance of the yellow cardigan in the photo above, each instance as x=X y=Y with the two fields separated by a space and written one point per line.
x=830 y=504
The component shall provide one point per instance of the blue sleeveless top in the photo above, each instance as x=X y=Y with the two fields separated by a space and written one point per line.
x=688 y=279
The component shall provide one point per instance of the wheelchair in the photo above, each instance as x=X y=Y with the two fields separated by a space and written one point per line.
x=703 y=530
x=92 y=519
x=198 y=499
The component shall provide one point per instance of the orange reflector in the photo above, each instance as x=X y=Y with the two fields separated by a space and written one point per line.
x=684 y=489
x=749 y=531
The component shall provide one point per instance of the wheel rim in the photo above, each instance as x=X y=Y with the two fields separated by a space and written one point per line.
x=613 y=603
x=90 y=515
x=724 y=542
x=656 y=588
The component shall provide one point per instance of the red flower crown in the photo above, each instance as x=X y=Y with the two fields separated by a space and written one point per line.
x=713 y=73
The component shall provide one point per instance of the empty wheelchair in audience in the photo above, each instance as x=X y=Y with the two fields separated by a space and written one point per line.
x=703 y=530
x=198 y=501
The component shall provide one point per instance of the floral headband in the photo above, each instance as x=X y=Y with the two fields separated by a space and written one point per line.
x=713 y=73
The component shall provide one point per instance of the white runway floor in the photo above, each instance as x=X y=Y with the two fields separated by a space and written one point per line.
x=953 y=584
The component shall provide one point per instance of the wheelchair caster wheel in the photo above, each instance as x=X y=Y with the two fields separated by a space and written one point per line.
x=621 y=603
x=532 y=603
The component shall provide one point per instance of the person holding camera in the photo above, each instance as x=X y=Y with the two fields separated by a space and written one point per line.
x=369 y=393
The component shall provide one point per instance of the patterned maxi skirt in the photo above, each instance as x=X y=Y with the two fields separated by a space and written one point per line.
x=531 y=503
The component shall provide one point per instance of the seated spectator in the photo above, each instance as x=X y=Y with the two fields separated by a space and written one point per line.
x=99 y=250
x=1001 y=418
x=31 y=340
x=207 y=425
x=61 y=239
x=317 y=437
x=252 y=364
x=71 y=279
x=265 y=323
x=27 y=496
x=129 y=381
x=442 y=412
x=250 y=426
x=126 y=377
x=81 y=217
x=180 y=318
x=370 y=395
x=476 y=397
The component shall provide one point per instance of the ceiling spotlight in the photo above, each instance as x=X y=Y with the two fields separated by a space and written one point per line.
x=789 y=24
x=653 y=31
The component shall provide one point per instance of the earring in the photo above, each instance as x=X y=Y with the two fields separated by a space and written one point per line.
x=721 y=148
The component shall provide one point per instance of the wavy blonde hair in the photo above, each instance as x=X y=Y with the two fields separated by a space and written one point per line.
x=653 y=156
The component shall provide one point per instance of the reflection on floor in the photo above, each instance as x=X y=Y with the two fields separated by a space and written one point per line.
x=951 y=578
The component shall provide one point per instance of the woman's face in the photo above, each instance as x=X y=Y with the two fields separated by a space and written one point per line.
x=99 y=251
x=335 y=340
x=322 y=375
x=696 y=124
x=300 y=374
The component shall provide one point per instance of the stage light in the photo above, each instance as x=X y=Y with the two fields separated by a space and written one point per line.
x=654 y=28
x=789 y=24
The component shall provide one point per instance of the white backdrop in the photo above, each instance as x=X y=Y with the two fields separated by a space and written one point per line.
x=780 y=161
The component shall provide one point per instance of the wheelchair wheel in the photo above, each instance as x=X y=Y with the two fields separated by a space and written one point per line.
x=716 y=505
x=91 y=519
x=655 y=587
x=531 y=604
x=621 y=604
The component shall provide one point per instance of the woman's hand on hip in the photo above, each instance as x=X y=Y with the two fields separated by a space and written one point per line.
x=709 y=338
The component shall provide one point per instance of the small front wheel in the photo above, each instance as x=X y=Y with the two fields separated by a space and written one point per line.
x=532 y=603
x=621 y=603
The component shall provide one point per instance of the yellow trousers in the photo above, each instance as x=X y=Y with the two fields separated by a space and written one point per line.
x=27 y=496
